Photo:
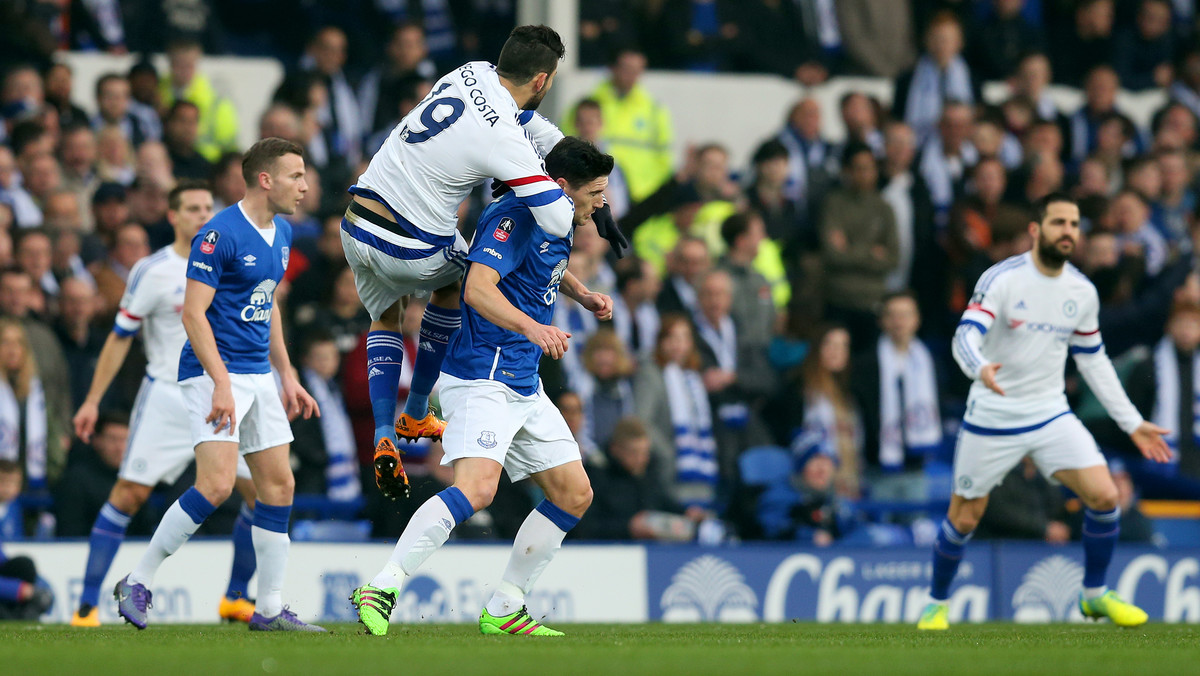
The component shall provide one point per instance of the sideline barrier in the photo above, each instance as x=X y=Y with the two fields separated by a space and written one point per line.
x=638 y=583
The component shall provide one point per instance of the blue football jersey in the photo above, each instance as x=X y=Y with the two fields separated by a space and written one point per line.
x=231 y=255
x=531 y=264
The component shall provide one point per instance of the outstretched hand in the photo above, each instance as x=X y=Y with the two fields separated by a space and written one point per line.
x=988 y=375
x=1148 y=438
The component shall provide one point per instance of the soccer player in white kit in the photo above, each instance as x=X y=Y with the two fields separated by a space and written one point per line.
x=160 y=440
x=400 y=232
x=1027 y=314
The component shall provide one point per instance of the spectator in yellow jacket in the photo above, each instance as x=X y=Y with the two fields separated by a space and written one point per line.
x=218 y=117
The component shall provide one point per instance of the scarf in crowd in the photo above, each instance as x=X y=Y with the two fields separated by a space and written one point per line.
x=802 y=154
x=908 y=407
x=1167 y=395
x=938 y=173
x=691 y=419
x=1183 y=94
x=341 y=473
x=644 y=318
x=835 y=433
x=35 y=426
x=931 y=88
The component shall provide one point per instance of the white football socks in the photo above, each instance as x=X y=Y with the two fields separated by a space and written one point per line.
x=174 y=530
x=271 y=550
x=428 y=529
x=536 y=544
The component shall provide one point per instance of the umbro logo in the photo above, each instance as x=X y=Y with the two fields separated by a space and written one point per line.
x=249 y=258
x=374 y=372
x=545 y=246
x=1020 y=305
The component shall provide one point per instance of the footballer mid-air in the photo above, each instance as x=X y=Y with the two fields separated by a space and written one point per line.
x=1028 y=313
x=498 y=415
x=400 y=232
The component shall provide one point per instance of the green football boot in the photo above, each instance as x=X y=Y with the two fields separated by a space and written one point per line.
x=1121 y=612
x=935 y=617
x=374 y=607
x=519 y=623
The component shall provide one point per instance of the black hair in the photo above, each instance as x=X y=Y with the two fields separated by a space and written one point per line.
x=735 y=226
x=111 y=417
x=854 y=148
x=577 y=161
x=770 y=150
x=1053 y=198
x=25 y=133
x=179 y=105
x=528 y=51
x=175 y=197
x=628 y=270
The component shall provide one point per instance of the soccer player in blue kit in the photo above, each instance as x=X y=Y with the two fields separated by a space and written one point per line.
x=235 y=336
x=497 y=414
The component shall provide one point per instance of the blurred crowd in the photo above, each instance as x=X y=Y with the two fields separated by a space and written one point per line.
x=778 y=363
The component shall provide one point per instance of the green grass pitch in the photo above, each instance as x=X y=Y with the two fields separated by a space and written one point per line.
x=623 y=650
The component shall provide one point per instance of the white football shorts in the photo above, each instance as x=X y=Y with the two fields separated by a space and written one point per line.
x=261 y=421
x=160 y=444
x=417 y=268
x=983 y=457
x=486 y=419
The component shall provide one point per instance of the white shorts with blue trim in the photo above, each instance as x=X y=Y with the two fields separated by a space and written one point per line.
x=160 y=444
x=261 y=421
x=984 y=456
x=486 y=419
x=382 y=278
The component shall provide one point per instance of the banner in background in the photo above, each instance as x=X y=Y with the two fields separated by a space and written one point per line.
x=636 y=583
x=585 y=583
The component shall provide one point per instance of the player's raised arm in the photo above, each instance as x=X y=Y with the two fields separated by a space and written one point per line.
x=544 y=133
x=514 y=161
x=481 y=292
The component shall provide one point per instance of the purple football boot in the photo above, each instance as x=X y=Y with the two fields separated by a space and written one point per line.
x=132 y=602
x=286 y=620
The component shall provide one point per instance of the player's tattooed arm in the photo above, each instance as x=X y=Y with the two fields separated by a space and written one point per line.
x=598 y=303
x=481 y=292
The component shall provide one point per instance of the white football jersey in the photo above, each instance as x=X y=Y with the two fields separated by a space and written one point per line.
x=1029 y=323
x=153 y=303
x=467 y=130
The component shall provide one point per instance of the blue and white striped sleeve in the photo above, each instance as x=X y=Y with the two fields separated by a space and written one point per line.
x=139 y=299
x=976 y=321
x=514 y=161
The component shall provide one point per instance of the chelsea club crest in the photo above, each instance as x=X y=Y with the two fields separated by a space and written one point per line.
x=286 y=254
x=1070 y=308
x=487 y=439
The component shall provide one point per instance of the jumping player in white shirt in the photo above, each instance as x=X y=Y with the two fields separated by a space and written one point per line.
x=160 y=440
x=400 y=232
x=498 y=414
x=1028 y=312
x=235 y=337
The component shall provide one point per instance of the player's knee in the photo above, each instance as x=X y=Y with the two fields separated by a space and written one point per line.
x=128 y=497
x=447 y=296
x=215 y=489
x=583 y=500
x=479 y=493
x=1104 y=500
x=280 y=489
